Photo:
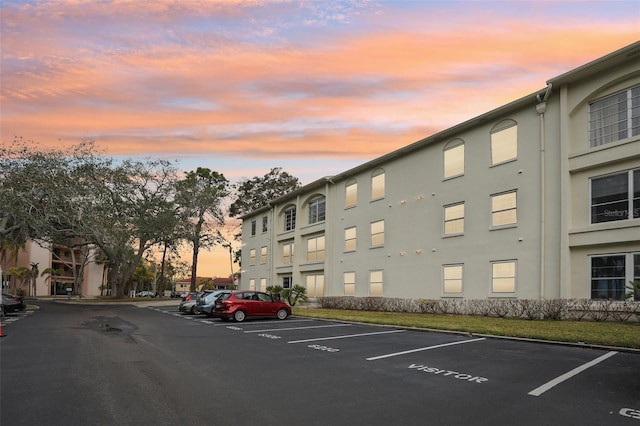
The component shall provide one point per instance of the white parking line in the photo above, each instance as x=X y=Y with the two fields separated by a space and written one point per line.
x=423 y=349
x=344 y=336
x=297 y=328
x=566 y=376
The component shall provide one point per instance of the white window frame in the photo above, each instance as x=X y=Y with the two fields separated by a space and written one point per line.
x=350 y=239
x=448 y=279
x=288 y=258
x=450 y=217
x=263 y=255
x=378 y=185
x=377 y=235
x=252 y=257
x=503 y=143
x=316 y=248
x=376 y=283
x=452 y=152
x=633 y=202
x=290 y=218
x=627 y=275
x=497 y=211
x=351 y=195
x=604 y=117
x=502 y=277
x=315 y=285
x=349 y=281
x=317 y=210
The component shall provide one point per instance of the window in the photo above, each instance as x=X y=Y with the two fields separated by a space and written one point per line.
x=287 y=253
x=290 y=219
x=349 y=279
x=454 y=159
x=377 y=185
x=611 y=276
x=351 y=195
x=253 y=227
x=265 y=222
x=252 y=284
x=350 y=239
x=615 y=117
x=614 y=196
x=252 y=257
x=375 y=283
x=503 y=278
x=504 y=145
x=504 y=209
x=316 y=210
x=315 y=285
x=263 y=284
x=263 y=254
x=377 y=233
x=287 y=282
x=452 y=279
x=454 y=219
x=315 y=249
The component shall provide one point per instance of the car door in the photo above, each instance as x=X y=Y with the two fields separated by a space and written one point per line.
x=267 y=306
x=251 y=303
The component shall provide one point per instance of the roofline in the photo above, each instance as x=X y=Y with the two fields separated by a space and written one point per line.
x=621 y=55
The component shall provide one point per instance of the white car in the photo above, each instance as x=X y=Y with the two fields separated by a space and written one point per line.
x=146 y=293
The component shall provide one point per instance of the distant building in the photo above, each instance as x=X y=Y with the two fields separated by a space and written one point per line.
x=59 y=259
x=537 y=199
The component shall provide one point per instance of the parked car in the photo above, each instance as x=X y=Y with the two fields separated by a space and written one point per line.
x=18 y=299
x=207 y=301
x=10 y=304
x=177 y=295
x=238 y=305
x=188 y=303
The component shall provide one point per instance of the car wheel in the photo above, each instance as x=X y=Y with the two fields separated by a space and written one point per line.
x=193 y=310
x=282 y=314
x=239 y=316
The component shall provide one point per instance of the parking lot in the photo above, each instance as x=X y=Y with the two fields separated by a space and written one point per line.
x=464 y=377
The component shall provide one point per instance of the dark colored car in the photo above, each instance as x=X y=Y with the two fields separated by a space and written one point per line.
x=18 y=299
x=11 y=303
x=238 y=305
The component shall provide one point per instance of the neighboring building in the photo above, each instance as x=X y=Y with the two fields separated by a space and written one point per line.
x=537 y=199
x=59 y=259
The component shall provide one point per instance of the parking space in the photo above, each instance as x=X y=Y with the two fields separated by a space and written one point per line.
x=12 y=317
x=564 y=381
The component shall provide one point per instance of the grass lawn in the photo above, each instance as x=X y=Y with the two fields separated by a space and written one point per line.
x=625 y=335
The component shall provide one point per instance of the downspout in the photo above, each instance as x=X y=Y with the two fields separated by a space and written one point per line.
x=541 y=108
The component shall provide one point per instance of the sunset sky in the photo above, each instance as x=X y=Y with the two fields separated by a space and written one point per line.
x=314 y=87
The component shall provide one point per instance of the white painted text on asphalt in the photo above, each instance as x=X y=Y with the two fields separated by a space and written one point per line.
x=449 y=373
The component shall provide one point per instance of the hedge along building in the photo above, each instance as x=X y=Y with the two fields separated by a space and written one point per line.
x=537 y=199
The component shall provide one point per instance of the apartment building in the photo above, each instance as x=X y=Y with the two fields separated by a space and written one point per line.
x=537 y=199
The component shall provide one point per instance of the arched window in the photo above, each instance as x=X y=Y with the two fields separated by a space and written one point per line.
x=377 y=184
x=504 y=142
x=454 y=158
x=317 y=209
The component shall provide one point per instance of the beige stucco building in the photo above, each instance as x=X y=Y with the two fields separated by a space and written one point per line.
x=537 y=199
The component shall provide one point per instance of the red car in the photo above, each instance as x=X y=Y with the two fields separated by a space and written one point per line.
x=239 y=305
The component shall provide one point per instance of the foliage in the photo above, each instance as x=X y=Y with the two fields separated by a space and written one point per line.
x=275 y=291
x=295 y=294
x=252 y=194
x=553 y=309
x=200 y=195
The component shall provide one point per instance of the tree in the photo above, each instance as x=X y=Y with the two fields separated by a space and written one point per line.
x=200 y=195
x=85 y=201
x=251 y=194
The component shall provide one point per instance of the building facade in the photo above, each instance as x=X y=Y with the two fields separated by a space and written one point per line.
x=537 y=199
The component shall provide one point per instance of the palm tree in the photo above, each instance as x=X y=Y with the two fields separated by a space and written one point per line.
x=51 y=273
